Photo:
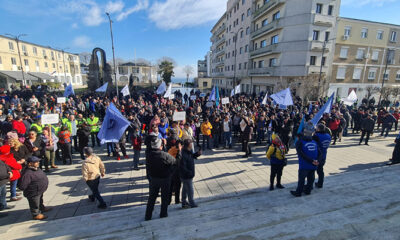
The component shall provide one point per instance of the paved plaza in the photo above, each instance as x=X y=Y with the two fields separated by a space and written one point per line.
x=218 y=173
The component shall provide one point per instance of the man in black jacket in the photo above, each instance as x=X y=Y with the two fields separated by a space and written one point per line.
x=5 y=175
x=83 y=137
x=367 y=127
x=187 y=173
x=34 y=183
x=159 y=166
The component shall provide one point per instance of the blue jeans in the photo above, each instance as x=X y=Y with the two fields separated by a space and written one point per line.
x=3 y=193
x=110 y=148
x=228 y=139
x=13 y=188
x=136 y=156
x=187 y=191
x=345 y=131
x=260 y=136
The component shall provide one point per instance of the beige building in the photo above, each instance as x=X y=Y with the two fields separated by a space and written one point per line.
x=361 y=54
x=141 y=73
x=39 y=64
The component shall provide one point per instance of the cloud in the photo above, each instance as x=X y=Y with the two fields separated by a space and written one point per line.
x=82 y=42
x=140 y=5
x=74 y=26
x=113 y=7
x=176 y=14
x=359 y=3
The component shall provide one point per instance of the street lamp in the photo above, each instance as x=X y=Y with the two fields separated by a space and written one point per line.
x=236 y=38
x=17 y=37
x=112 y=44
x=322 y=63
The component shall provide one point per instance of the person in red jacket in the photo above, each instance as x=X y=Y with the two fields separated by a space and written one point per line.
x=8 y=158
x=334 y=127
x=19 y=126
x=396 y=115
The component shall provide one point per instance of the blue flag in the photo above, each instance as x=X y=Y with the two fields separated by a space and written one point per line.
x=114 y=125
x=325 y=109
x=69 y=90
x=162 y=88
x=217 y=96
x=283 y=97
x=310 y=109
x=301 y=126
x=102 y=88
x=212 y=95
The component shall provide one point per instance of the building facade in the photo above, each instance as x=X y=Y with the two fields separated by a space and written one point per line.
x=39 y=64
x=141 y=73
x=203 y=80
x=362 y=50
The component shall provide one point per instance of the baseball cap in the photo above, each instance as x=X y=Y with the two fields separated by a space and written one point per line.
x=33 y=159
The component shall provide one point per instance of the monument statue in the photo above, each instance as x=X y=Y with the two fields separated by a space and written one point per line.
x=99 y=71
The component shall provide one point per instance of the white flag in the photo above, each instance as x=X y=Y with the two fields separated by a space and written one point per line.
x=169 y=91
x=162 y=88
x=264 y=102
x=233 y=92
x=125 y=91
x=237 y=89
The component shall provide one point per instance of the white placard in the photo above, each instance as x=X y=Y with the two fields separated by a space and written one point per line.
x=193 y=97
x=202 y=94
x=209 y=104
x=179 y=116
x=172 y=96
x=50 y=119
x=61 y=100
x=225 y=100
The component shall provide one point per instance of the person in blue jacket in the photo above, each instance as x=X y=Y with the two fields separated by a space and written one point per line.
x=309 y=155
x=323 y=139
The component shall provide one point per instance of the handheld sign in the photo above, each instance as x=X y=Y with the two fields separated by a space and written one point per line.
x=61 y=100
x=225 y=100
x=193 y=97
x=179 y=116
x=209 y=104
x=202 y=94
x=50 y=119
x=172 y=96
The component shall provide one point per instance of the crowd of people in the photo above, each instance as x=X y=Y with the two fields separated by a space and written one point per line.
x=30 y=150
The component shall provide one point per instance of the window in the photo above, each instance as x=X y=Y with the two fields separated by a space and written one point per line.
x=360 y=54
x=255 y=46
x=240 y=50
x=37 y=63
x=347 y=31
x=272 y=62
x=372 y=74
x=357 y=73
x=46 y=65
x=319 y=8
x=393 y=36
x=266 y=1
x=246 y=48
x=1 y=62
x=247 y=30
x=241 y=34
x=343 y=52
x=330 y=10
x=276 y=16
x=254 y=65
x=274 y=39
x=375 y=55
x=240 y=66
x=52 y=55
x=34 y=50
x=54 y=65
x=261 y=64
x=245 y=65
x=379 y=35
x=315 y=35
x=59 y=55
x=242 y=17
x=327 y=36
x=44 y=53
x=243 y=2
x=248 y=12
x=312 y=60
x=386 y=75
x=364 y=33
x=263 y=43
x=341 y=73
x=398 y=76
x=390 y=56
x=23 y=48
x=264 y=22
x=13 y=61
x=323 y=61
x=26 y=62
x=11 y=46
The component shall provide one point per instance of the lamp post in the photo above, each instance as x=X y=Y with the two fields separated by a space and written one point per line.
x=17 y=38
x=234 y=70
x=322 y=63
x=112 y=45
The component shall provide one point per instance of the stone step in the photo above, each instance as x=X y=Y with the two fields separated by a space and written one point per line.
x=356 y=205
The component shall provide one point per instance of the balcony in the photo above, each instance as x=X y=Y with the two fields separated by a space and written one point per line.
x=323 y=20
x=317 y=69
x=266 y=50
x=220 y=30
x=219 y=64
x=274 y=25
x=219 y=41
x=202 y=69
x=267 y=71
x=268 y=6
x=219 y=52
x=319 y=45
x=218 y=74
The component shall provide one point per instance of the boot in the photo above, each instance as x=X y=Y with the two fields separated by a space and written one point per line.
x=271 y=187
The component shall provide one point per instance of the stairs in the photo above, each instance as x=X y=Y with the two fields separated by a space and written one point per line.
x=358 y=205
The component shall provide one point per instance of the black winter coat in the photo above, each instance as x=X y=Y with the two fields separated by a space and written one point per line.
x=186 y=165
x=159 y=164
x=33 y=182
x=368 y=125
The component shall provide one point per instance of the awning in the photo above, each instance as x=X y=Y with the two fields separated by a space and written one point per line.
x=17 y=75
x=40 y=75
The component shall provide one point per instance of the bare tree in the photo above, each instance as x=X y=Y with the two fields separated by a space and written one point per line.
x=371 y=90
x=386 y=92
x=85 y=57
x=189 y=71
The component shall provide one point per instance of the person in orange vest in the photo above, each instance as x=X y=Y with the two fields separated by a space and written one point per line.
x=206 y=131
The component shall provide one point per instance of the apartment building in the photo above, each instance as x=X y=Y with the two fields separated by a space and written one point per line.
x=360 y=57
x=218 y=50
x=140 y=72
x=39 y=64
x=203 y=80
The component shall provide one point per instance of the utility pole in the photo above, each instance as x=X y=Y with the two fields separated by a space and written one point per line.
x=384 y=73
x=112 y=45
x=320 y=69
x=17 y=37
x=234 y=72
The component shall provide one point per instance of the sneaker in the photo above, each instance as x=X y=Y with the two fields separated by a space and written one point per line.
x=102 y=206
x=296 y=194
x=118 y=158
x=7 y=208
x=14 y=199
x=39 y=217
x=280 y=186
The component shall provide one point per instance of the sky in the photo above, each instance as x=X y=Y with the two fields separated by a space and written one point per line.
x=179 y=29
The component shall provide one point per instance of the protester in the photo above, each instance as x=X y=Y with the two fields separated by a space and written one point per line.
x=367 y=128
x=36 y=146
x=65 y=142
x=8 y=158
x=323 y=138
x=50 y=140
x=276 y=154
x=5 y=175
x=92 y=169
x=206 y=128
x=187 y=173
